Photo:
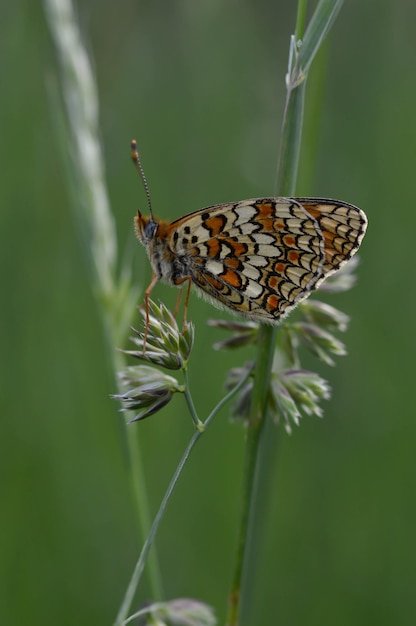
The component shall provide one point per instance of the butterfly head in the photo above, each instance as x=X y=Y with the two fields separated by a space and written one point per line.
x=145 y=228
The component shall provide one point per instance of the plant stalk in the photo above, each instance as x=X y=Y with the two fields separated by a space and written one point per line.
x=144 y=554
x=288 y=159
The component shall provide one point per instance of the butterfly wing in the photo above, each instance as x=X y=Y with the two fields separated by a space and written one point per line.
x=261 y=257
x=343 y=227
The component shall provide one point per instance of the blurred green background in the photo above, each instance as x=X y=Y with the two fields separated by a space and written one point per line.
x=201 y=86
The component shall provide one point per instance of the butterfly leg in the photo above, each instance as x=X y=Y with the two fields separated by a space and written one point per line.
x=185 y=308
x=146 y=308
x=180 y=281
x=178 y=302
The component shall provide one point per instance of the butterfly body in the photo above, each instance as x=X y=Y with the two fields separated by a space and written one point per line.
x=258 y=258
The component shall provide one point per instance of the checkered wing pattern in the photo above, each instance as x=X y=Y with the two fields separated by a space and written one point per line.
x=261 y=257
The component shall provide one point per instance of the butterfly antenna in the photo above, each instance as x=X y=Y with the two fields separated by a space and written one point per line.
x=136 y=160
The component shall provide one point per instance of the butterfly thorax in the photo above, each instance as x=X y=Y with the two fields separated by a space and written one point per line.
x=166 y=264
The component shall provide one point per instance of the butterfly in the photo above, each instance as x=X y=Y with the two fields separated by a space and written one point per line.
x=258 y=258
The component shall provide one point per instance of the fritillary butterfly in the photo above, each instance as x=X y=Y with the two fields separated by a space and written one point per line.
x=258 y=258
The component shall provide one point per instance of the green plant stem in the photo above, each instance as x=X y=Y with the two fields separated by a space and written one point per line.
x=139 y=488
x=134 y=582
x=189 y=401
x=115 y=294
x=288 y=162
x=285 y=186
x=143 y=513
x=290 y=141
x=258 y=411
x=300 y=18
x=131 y=589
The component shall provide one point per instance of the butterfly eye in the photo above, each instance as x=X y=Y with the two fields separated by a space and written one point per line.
x=150 y=229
